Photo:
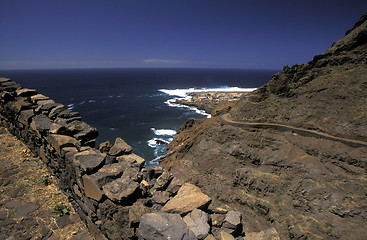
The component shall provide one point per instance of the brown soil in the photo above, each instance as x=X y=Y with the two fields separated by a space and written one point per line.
x=31 y=204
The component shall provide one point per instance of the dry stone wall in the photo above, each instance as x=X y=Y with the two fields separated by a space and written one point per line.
x=110 y=188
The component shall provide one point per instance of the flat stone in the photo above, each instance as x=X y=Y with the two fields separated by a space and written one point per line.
x=120 y=189
x=90 y=162
x=154 y=226
x=197 y=221
x=91 y=188
x=133 y=159
x=25 y=209
x=41 y=123
x=25 y=92
x=12 y=204
x=120 y=147
x=187 y=199
x=38 y=97
x=61 y=141
x=269 y=234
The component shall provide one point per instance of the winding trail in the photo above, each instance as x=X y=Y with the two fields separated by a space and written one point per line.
x=226 y=119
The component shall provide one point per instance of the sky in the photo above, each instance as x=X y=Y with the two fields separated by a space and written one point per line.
x=246 y=34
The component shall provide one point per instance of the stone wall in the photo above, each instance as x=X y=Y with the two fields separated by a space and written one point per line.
x=109 y=187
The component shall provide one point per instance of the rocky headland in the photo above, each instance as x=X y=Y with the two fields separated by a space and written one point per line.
x=292 y=155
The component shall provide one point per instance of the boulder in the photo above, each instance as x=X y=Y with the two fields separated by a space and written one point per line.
x=21 y=104
x=270 y=234
x=187 y=199
x=60 y=141
x=155 y=226
x=197 y=221
x=121 y=189
x=120 y=147
x=56 y=110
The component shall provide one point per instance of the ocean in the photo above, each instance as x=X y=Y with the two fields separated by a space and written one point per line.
x=134 y=104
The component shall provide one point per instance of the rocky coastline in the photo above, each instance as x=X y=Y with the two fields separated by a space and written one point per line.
x=214 y=103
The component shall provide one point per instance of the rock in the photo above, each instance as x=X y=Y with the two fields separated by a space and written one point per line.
x=187 y=199
x=120 y=147
x=58 y=129
x=153 y=172
x=133 y=174
x=90 y=162
x=120 y=189
x=67 y=113
x=105 y=147
x=133 y=159
x=41 y=124
x=225 y=236
x=233 y=220
x=210 y=237
x=23 y=210
x=163 y=181
x=160 y=197
x=38 y=97
x=197 y=221
x=82 y=131
x=217 y=219
x=56 y=110
x=12 y=204
x=25 y=92
x=270 y=234
x=91 y=188
x=155 y=226
x=25 y=115
x=137 y=210
x=61 y=141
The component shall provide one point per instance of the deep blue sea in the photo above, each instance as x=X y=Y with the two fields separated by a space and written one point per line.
x=132 y=103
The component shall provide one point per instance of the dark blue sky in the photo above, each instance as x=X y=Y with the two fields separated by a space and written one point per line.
x=251 y=34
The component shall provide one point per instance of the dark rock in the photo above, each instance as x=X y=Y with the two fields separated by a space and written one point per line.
x=63 y=221
x=12 y=204
x=67 y=113
x=153 y=172
x=56 y=110
x=24 y=116
x=25 y=209
x=197 y=221
x=163 y=181
x=41 y=124
x=137 y=210
x=90 y=162
x=120 y=147
x=154 y=226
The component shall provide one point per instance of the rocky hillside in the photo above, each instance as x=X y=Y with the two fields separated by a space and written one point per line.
x=307 y=186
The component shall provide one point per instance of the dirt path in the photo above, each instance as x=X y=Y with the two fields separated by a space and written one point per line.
x=301 y=131
x=31 y=205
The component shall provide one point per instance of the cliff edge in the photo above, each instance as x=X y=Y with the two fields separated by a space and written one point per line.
x=291 y=155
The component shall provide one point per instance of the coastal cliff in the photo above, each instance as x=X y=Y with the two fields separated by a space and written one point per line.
x=291 y=155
